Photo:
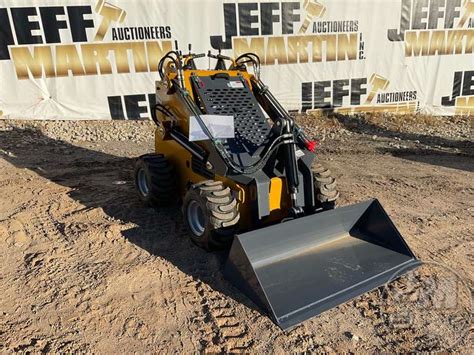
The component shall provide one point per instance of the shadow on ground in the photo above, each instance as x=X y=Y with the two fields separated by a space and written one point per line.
x=460 y=161
x=450 y=153
x=100 y=180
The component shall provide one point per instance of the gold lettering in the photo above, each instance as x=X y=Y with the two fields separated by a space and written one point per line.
x=416 y=44
x=317 y=42
x=464 y=106
x=398 y=108
x=297 y=49
x=110 y=13
x=96 y=54
x=67 y=59
x=41 y=61
x=468 y=13
x=438 y=43
x=347 y=46
x=92 y=59
x=139 y=57
x=469 y=41
x=331 y=47
x=455 y=42
x=379 y=83
x=244 y=45
x=276 y=51
x=121 y=57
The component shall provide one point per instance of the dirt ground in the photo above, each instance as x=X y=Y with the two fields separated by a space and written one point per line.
x=85 y=267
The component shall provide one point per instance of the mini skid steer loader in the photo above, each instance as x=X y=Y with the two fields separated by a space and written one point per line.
x=261 y=191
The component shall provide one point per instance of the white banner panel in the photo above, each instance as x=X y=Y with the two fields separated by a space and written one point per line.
x=96 y=59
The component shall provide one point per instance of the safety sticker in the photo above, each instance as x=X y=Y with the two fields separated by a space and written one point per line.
x=235 y=84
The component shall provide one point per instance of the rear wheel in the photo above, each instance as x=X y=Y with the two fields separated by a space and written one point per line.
x=325 y=188
x=155 y=180
x=211 y=214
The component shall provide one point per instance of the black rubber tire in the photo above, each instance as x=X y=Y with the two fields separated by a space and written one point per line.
x=325 y=188
x=220 y=214
x=160 y=180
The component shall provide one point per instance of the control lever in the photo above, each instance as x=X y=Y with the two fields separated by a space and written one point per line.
x=220 y=65
x=189 y=59
x=194 y=56
x=218 y=56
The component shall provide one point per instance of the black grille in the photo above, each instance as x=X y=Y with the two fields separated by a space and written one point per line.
x=228 y=96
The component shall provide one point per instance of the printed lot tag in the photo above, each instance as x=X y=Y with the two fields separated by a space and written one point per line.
x=221 y=127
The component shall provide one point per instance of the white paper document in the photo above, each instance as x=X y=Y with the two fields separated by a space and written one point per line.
x=220 y=127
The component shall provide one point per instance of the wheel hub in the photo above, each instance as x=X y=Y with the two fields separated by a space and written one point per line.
x=195 y=217
x=142 y=183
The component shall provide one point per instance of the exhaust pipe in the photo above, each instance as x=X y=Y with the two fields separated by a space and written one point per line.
x=301 y=268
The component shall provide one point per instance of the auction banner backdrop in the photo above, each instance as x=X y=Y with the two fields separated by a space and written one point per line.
x=96 y=59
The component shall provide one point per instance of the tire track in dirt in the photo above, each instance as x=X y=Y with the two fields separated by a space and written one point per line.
x=225 y=328
x=43 y=224
x=234 y=332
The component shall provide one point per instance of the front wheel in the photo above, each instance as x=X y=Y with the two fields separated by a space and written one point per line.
x=325 y=188
x=211 y=214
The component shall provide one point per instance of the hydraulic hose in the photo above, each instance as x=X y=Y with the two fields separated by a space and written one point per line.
x=162 y=62
x=223 y=153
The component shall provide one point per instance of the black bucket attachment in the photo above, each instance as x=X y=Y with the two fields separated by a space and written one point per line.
x=301 y=268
